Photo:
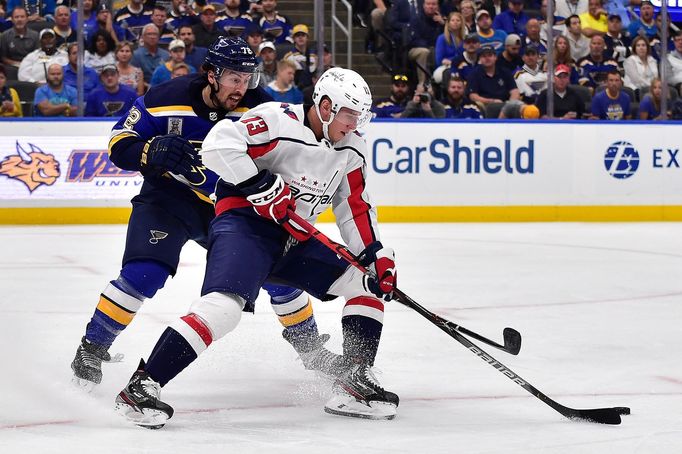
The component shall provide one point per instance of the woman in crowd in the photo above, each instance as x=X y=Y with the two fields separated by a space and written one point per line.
x=448 y=45
x=89 y=18
x=650 y=107
x=562 y=56
x=128 y=74
x=468 y=10
x=101 y=51
x=640 y=67
x=10 y=106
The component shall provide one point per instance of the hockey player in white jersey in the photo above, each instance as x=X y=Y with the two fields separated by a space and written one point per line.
x=282 y=157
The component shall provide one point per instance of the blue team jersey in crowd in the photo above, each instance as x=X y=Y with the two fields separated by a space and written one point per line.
x=133 y=21
x=101 y=103
x=606 y=108
x=647 y=105
x=89 y=24
x=496 y=39
x=175 y=21
x=174 y=107
x=387 y=108
x=278 y=31
x=234 y=26
x=468 y=110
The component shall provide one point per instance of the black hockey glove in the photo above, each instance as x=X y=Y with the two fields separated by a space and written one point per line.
x=170 y=152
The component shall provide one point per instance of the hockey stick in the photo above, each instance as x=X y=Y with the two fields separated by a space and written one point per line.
x=597 y=415
x=512 y=338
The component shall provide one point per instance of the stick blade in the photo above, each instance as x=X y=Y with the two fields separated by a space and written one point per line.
x=512 y=340
x=599 y=415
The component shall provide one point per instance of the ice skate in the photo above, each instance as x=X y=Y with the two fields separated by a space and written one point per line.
x=316 y=357
x=359 y=395
x=87 y=365
x=140 y=401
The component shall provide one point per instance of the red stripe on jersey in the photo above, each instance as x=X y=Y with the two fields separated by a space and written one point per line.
x=359 y=207
x=200 y=327
x=229 y=203
x=366 y=301
x=256 y=151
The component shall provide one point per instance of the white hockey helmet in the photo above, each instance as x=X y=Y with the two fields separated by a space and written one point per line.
x=344 y=88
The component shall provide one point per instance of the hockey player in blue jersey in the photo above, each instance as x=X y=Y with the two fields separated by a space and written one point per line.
x=276 y=158
x=159 y=137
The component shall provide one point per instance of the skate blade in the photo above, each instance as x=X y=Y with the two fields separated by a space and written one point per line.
x=147 y=418
x=83 y=384
x=342 y=406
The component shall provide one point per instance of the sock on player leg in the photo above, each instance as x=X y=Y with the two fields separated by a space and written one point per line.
x=362 y=322
x=116 y=309
x=295 y=312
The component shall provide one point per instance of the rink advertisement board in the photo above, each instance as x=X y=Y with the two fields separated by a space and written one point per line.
x=59 y=172
x=527 y=170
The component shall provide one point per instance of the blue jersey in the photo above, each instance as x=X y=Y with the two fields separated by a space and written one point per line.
x=175 y=20
x=495 y=39
x=101 y=103
x=605 y=107
x=593 y=74
x=174 y=107
x=234 y=26
x=388 y=108
x=464 y=110
x=278 y=30
x=134 y=22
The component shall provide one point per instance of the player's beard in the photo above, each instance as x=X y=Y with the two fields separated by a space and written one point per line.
x=232 y=101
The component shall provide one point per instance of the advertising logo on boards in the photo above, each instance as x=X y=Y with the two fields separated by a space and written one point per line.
x=85 y=165
x=456 y=156
x=621 y=160
x=33 y=168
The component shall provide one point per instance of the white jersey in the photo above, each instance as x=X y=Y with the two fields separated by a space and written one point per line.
x=274 y=136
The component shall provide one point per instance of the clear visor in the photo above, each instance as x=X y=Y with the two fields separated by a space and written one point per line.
x=232 y=80
x=353 y=118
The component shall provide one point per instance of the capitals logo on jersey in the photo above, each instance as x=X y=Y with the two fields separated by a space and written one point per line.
x=34 y=168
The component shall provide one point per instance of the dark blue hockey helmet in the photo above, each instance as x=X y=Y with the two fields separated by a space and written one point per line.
x=232 y=53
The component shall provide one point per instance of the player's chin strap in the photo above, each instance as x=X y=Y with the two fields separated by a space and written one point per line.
x=325 y=124
x=214 y=95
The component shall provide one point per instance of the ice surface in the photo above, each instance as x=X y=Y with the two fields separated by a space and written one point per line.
x=598 y=306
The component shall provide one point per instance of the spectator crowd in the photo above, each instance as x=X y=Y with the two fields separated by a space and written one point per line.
x=448 y=58
x=131 y=45
x=489 y=58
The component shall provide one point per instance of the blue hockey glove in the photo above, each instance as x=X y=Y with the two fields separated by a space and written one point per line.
x=170 y=152
x=381 y=261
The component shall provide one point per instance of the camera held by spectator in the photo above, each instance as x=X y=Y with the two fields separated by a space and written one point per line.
x=423 y=105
